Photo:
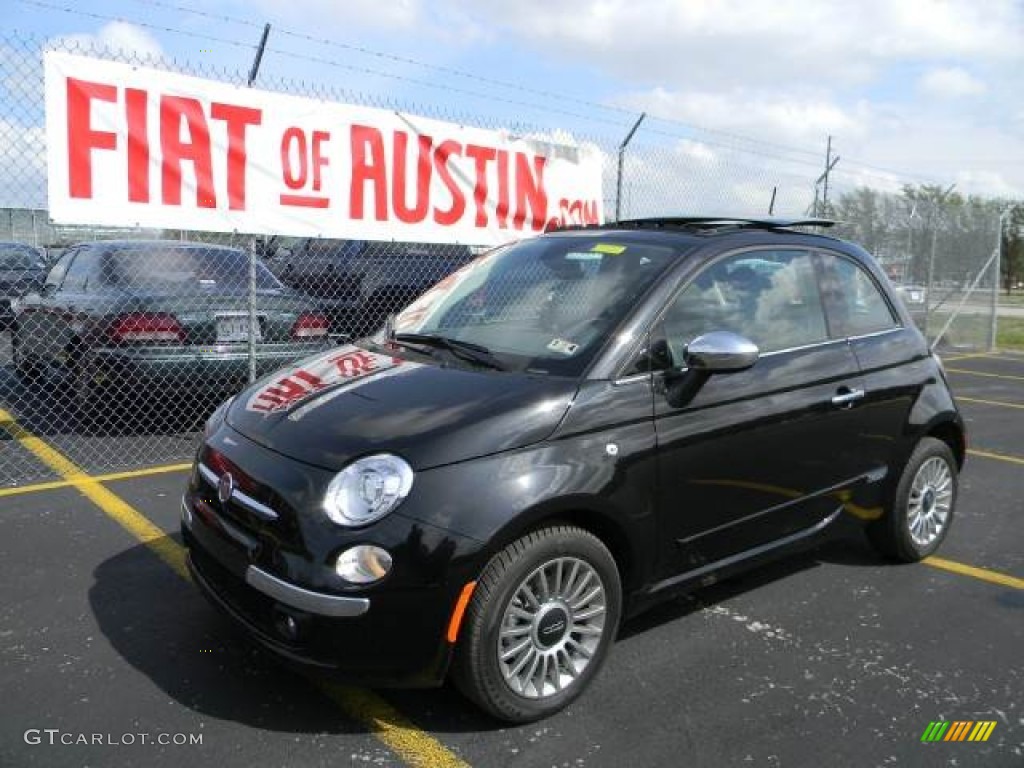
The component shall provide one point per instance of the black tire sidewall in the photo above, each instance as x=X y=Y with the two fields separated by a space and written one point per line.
x=481 y=676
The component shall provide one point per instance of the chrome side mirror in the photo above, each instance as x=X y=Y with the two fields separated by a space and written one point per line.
x=721 y=352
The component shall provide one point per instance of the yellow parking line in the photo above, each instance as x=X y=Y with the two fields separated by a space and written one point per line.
x=997 y=456
x=49 y=486
x=390 y=726
x=414 y=746
x=1002 y=403
x=149 y=534
x=986 y=374
x=993 y=577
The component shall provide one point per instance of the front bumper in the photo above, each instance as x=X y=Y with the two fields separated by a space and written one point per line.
x=275 y=579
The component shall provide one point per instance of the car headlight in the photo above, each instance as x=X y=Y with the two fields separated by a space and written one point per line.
x=368 y=489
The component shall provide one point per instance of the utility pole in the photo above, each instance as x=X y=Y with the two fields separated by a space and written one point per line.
x=822 y=180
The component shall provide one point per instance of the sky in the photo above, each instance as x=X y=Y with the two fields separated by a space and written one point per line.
x=738 y=93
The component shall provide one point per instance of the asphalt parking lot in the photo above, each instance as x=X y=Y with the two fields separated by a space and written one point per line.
x=834 y=657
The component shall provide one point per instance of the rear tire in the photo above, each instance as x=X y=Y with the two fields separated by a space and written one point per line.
x=540 y=624
x=922 y=509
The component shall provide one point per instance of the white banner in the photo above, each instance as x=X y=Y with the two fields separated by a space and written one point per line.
x=128 y=146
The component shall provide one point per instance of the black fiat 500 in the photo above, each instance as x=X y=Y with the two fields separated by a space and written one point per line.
x=559 y=434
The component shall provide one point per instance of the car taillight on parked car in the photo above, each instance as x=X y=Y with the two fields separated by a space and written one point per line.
x=310 y=325
x=146 y=327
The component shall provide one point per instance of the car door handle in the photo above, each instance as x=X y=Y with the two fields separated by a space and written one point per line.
x=847 y=396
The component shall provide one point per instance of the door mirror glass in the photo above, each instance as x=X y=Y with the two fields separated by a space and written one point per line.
x=721 y=352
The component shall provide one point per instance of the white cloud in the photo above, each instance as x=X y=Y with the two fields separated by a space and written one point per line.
x=951 y=82
x=343 y=16
x=116 y=37
x=741 y=42
x=23 y=160
x=796 y=119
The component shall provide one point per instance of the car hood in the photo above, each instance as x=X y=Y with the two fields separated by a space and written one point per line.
x=349 y=402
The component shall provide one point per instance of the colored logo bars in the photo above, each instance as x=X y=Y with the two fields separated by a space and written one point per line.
x=960 y=730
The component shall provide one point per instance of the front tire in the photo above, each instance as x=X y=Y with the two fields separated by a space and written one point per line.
x=922 y=509
x=539 y=626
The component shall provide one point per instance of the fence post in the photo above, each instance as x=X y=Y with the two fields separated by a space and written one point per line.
x=622 y=153
x=993 y=330
x=938 y=209
x=253 y=320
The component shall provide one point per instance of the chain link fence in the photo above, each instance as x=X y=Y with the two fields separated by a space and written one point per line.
x=116 y=343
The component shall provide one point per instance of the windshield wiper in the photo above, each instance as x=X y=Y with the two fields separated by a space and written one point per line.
x=464 y=350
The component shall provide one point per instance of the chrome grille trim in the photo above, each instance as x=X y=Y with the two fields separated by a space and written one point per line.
x=257 y=508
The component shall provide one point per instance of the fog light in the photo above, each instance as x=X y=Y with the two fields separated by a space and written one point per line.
x=363 y=564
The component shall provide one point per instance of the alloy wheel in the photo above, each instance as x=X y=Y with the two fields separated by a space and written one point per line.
x=552 y=627
x=930 y=501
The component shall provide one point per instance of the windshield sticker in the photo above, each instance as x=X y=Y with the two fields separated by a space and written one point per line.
x=563 y=347
x=346 y=364
x=609 y=248
x=585 y=256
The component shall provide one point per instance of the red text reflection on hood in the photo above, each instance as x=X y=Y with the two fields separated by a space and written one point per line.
x=345 y=364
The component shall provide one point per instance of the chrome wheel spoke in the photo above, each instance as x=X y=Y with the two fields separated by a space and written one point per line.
x=582 y=585
x=590 y=596
x=566 y=663
x=526 y=658
x=545 y=591
x=580 y=649
x=517 y=612
x=583 y=616
x=515 y=650
x=517 y=631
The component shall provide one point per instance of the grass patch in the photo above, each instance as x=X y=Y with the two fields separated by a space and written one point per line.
x=1013 y=300
x=1010 y=334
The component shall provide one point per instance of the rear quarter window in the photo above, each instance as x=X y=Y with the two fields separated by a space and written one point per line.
x=856 y=304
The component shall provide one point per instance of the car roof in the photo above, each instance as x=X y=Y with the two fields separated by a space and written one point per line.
x=721 y=230
x=184 y=244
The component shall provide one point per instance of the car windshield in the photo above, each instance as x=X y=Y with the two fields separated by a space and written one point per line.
x=19 y=257
x=185 y=269
x=540 y=306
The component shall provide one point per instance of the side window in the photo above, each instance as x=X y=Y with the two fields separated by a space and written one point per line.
x=770 y=296
x=56 y=274
x=77 y=278
x=855 y=305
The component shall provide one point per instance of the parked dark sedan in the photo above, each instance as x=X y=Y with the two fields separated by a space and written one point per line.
x=159 y=317
x=560 y=434
x=22 y=269
x=357 y=283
